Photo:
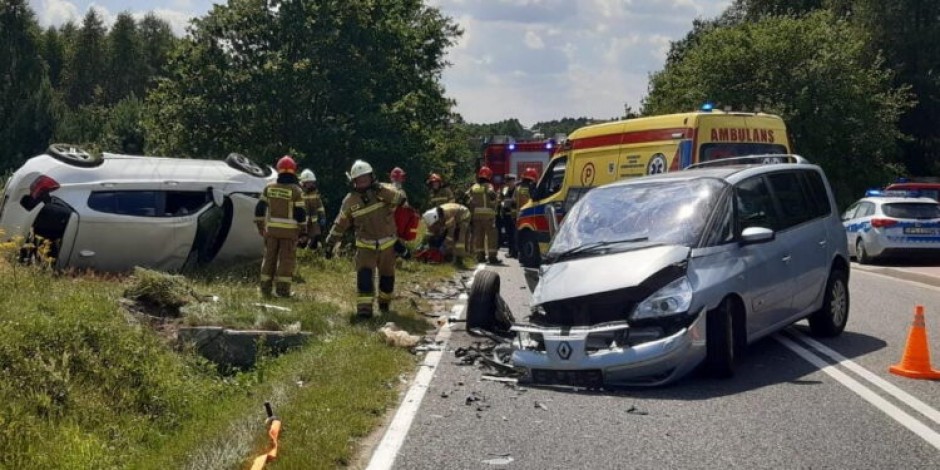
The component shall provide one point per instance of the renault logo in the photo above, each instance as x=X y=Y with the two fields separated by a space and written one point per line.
x=564 y=350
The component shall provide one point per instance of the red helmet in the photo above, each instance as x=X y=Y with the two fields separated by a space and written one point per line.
x=286 y=165
x=435 y=178
x=530 y=174
x=397 y=175
x=485 y=173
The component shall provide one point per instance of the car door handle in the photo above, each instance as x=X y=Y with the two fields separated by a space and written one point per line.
x=786 y=259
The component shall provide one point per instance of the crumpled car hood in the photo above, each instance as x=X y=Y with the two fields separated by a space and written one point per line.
x=603 y=273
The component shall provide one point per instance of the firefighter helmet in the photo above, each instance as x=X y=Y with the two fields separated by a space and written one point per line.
x=431 y=217
x=359 y=168
x=530 y=174
x=397 y=175
x=434 y=178
x=286 y=165
x=485 y=173
x=307 y=175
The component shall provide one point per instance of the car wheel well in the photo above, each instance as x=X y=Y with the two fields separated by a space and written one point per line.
x=840 y=264
x=739 y=321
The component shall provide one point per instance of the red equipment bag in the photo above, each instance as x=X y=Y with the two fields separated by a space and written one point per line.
x=406 y=223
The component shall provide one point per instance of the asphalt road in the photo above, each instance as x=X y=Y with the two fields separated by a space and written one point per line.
x=783 y=409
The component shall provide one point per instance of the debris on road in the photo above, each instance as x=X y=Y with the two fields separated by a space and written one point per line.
x=271 y=307
x=494 y=378
x=541 y=405
x=506 y=460
x=636 y=411
x=395 y=336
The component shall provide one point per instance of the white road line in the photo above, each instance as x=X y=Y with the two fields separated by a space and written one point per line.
x=883 y=384
x=906 y=420
x=384 y=456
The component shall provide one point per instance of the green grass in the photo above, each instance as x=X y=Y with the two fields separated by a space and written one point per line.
x=88 y=385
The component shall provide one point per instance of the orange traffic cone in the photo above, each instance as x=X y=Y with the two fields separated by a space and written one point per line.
x=916 y=361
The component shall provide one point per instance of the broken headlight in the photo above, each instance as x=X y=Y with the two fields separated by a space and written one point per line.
x=672 y=299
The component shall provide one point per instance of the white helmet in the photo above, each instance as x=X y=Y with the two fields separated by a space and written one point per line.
x=431 y=217
x=359 y=168
x=307 y=175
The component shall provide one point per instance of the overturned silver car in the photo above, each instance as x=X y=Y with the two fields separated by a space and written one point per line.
x=648 y=278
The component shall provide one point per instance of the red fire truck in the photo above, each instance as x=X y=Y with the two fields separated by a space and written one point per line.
x=505 y=155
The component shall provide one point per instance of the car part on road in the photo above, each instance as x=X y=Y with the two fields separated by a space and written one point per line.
x=485 y=308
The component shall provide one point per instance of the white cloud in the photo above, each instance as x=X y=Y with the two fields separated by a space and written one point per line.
x=54 y=12
x=533 y=40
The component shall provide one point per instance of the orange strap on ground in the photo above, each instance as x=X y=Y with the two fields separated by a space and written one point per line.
x=274 y=430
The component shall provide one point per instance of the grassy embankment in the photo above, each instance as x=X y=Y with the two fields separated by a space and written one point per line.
x=85 y=384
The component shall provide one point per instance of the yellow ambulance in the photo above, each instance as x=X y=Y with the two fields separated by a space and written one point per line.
x=603 y=153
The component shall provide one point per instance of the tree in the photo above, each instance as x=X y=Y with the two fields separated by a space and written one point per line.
x=52 y=51
x=156 y=43
x=816 y=72
x=85 y=70
x=26 y=105
x=125 y=64
x=327 y=81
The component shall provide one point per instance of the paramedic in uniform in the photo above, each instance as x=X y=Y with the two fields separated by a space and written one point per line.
x=482 y=204
x=313 y=204
x=280 y=216
x=369 y=210
x=453 y=221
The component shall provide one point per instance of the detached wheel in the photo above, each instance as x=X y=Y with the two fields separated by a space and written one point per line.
x=244 y=164
x=719 y=341
x=74 y=155
x=483 y=301
x=861 y=254
x=529 y=254
x=830 y=320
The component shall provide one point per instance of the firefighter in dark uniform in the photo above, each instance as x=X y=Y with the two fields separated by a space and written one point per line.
x=453 y=221
x=439 y=194
x=482 y=204
x=280 y=216
x=316 y=214
x=369 y=210
x=506 y=218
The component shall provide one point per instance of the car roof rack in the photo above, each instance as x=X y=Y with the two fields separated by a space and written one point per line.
x=763 y=159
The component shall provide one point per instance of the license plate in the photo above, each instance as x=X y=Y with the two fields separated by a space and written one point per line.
x=588 y=378
x=920 y=231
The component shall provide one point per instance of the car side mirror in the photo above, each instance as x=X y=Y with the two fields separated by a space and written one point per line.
x=753 y=235
x=551 y=219
x=218 y=198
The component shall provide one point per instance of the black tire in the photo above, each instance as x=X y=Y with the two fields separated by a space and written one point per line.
x=73 y=155
x=830 y=320
x=861 y=255
x=529 y=254
x=720 y=344
x=245 y=165
x=483 y=301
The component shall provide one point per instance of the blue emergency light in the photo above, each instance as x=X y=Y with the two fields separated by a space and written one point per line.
x=548 y=146
x=512 y=147
x=892 y=193
x=708 y=107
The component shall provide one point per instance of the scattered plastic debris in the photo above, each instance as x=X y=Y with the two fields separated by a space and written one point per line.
x=541 y=405
x=499 y=461
x=395 y=336
x=272 y=307
x=636 y=411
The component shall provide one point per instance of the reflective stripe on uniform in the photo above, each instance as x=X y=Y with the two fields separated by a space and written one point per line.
x=385 y=296
x=380 y=244
x=279 y=220
x=283 y=279
x=265 y=277
x=368 y=209
x=364 y=299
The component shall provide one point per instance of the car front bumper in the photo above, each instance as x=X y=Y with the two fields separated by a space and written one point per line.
x=565 y=355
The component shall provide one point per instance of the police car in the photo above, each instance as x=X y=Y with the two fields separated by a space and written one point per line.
x=892 y=223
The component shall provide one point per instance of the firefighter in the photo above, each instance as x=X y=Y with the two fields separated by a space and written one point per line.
x=525 y=188
x=453 y=221
x=280 y=216
x=439 y=193
x=482 y=204
x=402 y=213
x=506 y=218
x=369 y=209
x=316 y=214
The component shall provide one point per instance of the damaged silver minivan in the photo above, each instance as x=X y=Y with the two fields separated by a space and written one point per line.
x=647 y=278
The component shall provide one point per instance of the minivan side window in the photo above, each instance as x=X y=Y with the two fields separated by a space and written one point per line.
x=816 y=189
x=795 y=206
x=755 y=205
x=553 y=178
x=149 y=203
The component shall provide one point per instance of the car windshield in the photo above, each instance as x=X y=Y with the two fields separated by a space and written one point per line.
x=912 y=210
x=665 y=212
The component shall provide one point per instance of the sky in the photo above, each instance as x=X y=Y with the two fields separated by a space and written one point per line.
x=534 y=60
